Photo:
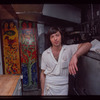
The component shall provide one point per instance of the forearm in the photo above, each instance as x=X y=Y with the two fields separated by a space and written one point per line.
x=82 y=49
x=42 y=81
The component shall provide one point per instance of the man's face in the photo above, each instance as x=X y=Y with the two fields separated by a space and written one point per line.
x=55 y=39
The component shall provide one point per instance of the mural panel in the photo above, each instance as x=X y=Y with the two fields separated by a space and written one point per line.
x=27 y=31
x=10 y=47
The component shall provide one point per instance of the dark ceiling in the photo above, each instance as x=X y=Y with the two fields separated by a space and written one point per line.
x=33 y=12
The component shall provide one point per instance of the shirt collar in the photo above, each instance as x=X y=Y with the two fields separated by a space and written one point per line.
x=49 y=50
x=64 y=47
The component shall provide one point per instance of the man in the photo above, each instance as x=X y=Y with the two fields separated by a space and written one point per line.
x=57 y=62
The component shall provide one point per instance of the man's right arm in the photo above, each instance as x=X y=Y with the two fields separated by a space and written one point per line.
x=42 y=79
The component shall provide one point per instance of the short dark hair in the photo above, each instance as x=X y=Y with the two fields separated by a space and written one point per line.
x=53 y=30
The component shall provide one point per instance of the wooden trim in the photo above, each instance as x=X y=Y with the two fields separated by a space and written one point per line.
x=11 y=10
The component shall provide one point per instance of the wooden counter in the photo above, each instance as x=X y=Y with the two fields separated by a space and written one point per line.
x=8 y=84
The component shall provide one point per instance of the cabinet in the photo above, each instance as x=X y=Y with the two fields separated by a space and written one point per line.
x=87 y=79
x=10 y=85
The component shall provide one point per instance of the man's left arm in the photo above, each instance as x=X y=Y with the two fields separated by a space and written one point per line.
x=82 y=49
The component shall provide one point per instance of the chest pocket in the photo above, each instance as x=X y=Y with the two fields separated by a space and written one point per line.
x=65 y=60
x=64 y=64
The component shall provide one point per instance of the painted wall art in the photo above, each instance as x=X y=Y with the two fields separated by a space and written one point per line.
x=28 y=50
x=10 y=42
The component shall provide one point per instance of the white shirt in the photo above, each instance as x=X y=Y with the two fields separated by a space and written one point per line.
x=60 y=67
x=56 y=82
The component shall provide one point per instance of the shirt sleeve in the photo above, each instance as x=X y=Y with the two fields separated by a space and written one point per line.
x=43 y=62
x=74 y=48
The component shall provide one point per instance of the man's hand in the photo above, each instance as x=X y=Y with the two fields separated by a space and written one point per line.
x=73 y=65
x=42 y=94
x=82 y=49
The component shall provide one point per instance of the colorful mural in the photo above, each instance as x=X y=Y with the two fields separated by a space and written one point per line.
x=10 y=47
x=27 y=32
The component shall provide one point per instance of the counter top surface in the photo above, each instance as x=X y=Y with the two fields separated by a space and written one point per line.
x=8 y=84
x=93 y=55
